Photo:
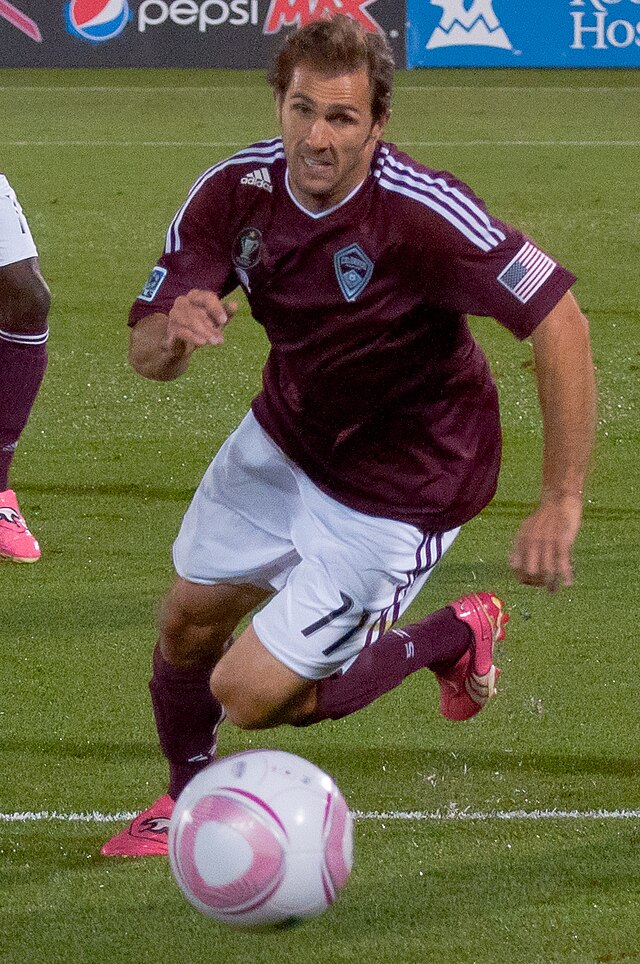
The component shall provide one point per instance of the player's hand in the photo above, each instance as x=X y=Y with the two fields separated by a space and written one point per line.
x=541 y=555
x=197 y=319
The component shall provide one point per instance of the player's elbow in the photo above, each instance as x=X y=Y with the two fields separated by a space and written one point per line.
x=147 y=359
x=148 y=368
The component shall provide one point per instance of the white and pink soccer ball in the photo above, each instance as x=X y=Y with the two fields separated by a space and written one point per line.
x=261 y=839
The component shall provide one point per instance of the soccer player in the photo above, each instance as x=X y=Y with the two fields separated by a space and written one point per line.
x=24 y=310
x=376 y=435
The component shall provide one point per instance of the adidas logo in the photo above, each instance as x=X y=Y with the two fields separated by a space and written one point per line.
x=258 y=178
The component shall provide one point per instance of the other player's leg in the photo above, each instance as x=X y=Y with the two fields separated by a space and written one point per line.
x=24 y=308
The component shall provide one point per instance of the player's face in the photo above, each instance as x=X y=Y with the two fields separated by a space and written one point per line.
x=329 y=134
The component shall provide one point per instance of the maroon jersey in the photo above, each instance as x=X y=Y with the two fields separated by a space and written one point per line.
x=374 y=384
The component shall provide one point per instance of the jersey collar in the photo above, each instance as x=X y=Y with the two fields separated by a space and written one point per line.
x=316 y=215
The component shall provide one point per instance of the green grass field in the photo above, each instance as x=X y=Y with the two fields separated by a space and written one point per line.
x=106 y=468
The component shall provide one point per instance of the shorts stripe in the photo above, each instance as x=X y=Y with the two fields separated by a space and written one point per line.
x=429 y=550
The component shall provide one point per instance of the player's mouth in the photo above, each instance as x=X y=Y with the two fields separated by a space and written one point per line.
x=317 y=165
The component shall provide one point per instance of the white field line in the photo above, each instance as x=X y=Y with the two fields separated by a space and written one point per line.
x=234 y=144
x=452 y=814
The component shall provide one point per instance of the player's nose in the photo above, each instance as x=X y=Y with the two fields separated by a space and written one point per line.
x=318 y=136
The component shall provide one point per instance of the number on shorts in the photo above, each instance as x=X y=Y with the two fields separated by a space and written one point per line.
x=347 y=604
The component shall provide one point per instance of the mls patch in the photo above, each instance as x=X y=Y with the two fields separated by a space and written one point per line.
x=153 y=283
x=353 y=270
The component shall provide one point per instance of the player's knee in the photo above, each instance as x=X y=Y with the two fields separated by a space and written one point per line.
x=26 y=309
x=184 y=639
x=242 y=708
x=40 y=300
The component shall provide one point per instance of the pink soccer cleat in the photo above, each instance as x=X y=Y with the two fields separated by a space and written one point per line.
x=146 y=836
x=16 y=542
x=469 y=685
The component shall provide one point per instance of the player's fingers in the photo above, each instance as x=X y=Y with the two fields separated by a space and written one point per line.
x=215 y=310
x=525 y=561
x=231 y=308
x=548 y=565
x=564 y=566
x=191 y=320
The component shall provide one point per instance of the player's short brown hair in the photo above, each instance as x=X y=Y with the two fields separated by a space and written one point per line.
x=339 y=45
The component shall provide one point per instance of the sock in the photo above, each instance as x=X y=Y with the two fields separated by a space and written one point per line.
x=187 y=718
x=436 y=643
x=23 y=361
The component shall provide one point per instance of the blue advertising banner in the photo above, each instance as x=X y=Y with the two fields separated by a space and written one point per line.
x=523 y=33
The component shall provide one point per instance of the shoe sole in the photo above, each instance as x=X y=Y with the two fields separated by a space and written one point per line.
x=482 y=688
x=20 y=559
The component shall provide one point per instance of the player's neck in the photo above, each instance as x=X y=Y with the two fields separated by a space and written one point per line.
x=319 y=210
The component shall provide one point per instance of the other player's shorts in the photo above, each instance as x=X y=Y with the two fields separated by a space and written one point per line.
x=341 y=578
x=16 y=242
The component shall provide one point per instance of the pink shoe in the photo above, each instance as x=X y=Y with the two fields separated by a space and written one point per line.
x=147 y=835
x=469 y=685
x=16 y=542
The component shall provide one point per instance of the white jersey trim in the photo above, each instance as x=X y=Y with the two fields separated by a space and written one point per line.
x=265 y=152
x=319 y=214
x=435 y=193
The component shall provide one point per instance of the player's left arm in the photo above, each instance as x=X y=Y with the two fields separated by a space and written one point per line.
x=541 y=554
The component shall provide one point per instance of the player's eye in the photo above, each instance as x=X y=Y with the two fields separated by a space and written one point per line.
x=343 y=120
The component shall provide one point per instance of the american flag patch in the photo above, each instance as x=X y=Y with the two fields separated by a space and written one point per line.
x=527 y=272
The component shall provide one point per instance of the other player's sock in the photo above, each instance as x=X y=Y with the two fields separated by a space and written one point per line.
x=187 y=718
x=436 y=643
x=23 y=361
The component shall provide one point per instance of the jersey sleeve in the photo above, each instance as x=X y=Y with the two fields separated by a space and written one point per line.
x=479 y=265
x=195 y=254
x=516 y=282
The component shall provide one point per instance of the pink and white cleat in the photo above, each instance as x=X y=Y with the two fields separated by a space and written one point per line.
x=16 y=542
x=146 y=836
x=469 y=685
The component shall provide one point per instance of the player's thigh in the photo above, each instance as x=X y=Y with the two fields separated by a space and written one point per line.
x=24 y=298
x=256 y=689
x=331 y=607
x=237 y=528
x=346 y=592
x=197 y=620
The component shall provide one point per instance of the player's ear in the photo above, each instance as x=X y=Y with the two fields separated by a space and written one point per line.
x=378 y=126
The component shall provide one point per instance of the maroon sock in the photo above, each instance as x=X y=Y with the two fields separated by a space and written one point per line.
x=187 y=718
x=435 y=643
x=22 y=368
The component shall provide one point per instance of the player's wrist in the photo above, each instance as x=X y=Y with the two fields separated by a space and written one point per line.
x=561 y=492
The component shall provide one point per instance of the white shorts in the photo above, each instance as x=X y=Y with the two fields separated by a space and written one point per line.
x=16 y=242
x=341 y=578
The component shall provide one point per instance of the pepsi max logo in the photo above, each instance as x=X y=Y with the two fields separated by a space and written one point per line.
x=96 y=20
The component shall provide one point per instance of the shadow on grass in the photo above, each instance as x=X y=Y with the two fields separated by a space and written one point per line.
x=505 y=508
x=339 y=759
x=103 y=751
x=139 y=490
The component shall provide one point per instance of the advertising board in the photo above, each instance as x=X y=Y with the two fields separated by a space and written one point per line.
x=172 y=33
x=523 y=33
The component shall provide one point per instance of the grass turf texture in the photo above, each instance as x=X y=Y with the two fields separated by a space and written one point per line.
x=108 y=463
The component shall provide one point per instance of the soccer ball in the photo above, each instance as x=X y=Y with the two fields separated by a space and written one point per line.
x=261 y=839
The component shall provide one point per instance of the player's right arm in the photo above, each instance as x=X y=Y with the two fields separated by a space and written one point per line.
x=161 y=345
